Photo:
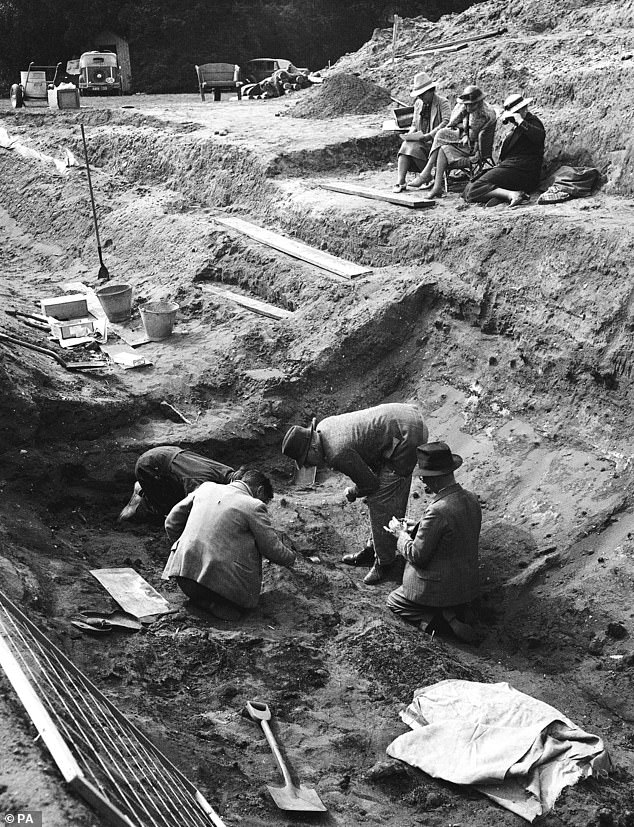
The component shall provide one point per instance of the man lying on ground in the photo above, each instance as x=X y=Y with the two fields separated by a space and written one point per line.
x=441 y=551
x=167 y=474
x=376 y=448
x=220 y=533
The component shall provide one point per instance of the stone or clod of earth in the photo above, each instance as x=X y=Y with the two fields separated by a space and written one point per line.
x=383 y=770
x=617 y=631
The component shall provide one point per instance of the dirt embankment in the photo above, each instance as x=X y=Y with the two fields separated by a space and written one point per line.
x=511 y=329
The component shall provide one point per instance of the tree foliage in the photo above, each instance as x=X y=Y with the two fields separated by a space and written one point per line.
x=167 y=37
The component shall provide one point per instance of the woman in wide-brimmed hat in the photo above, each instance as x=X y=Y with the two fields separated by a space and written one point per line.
x=521 y=156
x=431 y=113
x=454 y=146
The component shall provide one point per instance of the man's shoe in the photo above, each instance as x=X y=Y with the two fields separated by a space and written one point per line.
x=376 y=574
x=133 y=505
x=463 y=631
x=365 y=557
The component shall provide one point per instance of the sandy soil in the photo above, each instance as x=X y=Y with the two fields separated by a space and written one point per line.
x=511 y=329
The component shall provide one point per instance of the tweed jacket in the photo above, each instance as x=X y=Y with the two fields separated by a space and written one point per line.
x=439 y=112
x=220 y=534
x=362 y=443
x=442 y=560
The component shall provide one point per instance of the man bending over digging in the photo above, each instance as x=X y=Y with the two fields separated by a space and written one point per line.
x=376 y=448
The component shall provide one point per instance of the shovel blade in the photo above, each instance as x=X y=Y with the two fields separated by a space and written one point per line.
x=300 y=799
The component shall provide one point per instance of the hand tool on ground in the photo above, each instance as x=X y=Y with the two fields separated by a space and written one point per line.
x=11 y=311
x=46 y=352
x=103 y=270
x=39 y=322
x=288 y=797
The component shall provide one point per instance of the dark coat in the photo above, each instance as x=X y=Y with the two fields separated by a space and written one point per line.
x=520 y=164
x=442 y=560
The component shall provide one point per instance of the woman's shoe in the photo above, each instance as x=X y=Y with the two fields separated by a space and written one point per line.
x=520 y=199
x=399 y=188
x=420 y=183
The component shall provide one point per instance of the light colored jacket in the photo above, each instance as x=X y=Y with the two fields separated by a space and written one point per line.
x=442 y=560
x=361 y=443
x=439 y=113
x=220 y=534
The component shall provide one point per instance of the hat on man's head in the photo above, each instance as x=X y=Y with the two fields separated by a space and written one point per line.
x=422 y=83
x=471 y=94
x=297 y=441
x=436 y=459
x=515 y=102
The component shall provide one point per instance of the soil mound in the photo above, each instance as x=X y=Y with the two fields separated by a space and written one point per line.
x=343 y=94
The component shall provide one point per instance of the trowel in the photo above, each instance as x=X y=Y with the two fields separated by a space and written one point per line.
x=288 y=797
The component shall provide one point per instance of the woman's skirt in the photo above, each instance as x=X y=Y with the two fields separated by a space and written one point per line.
x=416 y=151
x=506 y=175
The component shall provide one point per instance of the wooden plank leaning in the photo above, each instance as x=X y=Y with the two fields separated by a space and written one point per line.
x=412 y=201
x=449 y=44
x=296 y=249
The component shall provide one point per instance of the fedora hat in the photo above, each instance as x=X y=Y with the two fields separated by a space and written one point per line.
x=471 y=94
x=422 y=82
x=515 y=102
x=296 y=442
x=436 y=459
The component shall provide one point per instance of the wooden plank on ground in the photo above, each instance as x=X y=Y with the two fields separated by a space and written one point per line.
x=412 y=201
x=255 y=305
x=297 y=249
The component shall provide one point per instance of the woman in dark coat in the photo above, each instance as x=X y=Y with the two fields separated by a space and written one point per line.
x=519 y=169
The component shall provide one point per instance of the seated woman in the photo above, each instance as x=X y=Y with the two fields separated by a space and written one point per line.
x=431 y=113
x=455 y=146
x=521 y=155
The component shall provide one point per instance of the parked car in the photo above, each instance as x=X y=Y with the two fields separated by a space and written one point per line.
x=263 y=67
x=99 y=72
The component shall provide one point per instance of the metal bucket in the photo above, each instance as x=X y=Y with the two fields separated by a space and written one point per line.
x=116 y=300
x=158 y=319
x=36 y=86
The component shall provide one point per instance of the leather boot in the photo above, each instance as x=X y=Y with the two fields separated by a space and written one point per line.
x=377 y=574
x=365 y=557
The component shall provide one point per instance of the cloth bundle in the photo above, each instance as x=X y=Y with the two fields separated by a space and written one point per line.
x=517 y=750
x=570 y=182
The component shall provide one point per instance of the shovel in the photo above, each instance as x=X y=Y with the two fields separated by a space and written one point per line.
x=103 y=270
x=288 y=797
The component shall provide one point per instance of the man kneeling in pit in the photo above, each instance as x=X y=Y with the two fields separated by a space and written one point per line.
x=441 y=551
x=220 y=533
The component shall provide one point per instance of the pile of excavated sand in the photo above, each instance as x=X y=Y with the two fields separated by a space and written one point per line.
x=343 y=94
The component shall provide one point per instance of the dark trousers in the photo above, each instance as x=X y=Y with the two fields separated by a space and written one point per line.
x=168 y=474
x=209 y=600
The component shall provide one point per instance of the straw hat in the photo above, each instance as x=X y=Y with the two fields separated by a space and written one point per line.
x=435 y=459
x=422 y=82
x=515 y=102
x=471 y=94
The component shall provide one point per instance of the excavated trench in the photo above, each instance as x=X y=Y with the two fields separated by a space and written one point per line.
x=511 y=329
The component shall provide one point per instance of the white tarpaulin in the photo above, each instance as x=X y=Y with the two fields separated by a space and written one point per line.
x=517 y=750
x=6 y=142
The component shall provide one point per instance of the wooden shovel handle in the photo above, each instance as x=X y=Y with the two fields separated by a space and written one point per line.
x=258 y=711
